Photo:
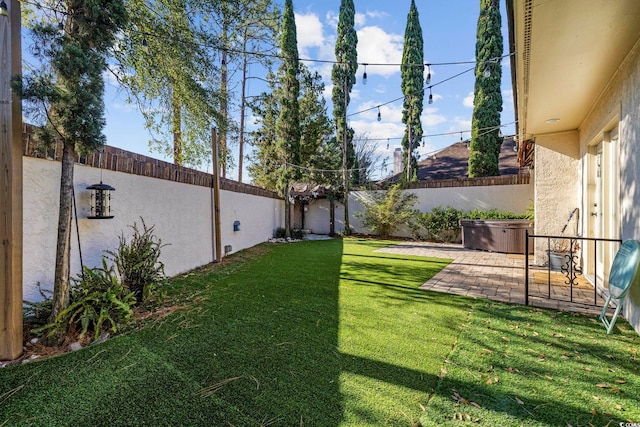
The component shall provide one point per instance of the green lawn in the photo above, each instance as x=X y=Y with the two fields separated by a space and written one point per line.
x=331 y=333
x=522 y=366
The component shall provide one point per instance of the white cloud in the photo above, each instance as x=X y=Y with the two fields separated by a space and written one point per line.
x=461 y=124
x=507 y=96
x=127 y=108
x=376 y=14
x=309 y=31
x=431 y=117
x=377 y=46
x=360 y=19
x=468 y=100
x=332 y=19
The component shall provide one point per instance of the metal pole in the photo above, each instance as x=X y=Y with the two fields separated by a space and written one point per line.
x=345 y=174
x=526 y=267
x=409 y=144
x=216 y=198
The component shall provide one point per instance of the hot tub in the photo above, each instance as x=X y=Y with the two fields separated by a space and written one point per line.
x=507 y=236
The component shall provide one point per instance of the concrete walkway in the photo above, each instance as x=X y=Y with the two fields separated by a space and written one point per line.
x=497 y=276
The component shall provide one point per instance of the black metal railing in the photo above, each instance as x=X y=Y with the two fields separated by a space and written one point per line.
x=569 y=262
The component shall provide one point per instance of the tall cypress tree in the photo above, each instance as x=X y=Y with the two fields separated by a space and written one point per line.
x=412 y=77
x=343 y=76
x=66 y=94
x=487 y=105
x=288 y=123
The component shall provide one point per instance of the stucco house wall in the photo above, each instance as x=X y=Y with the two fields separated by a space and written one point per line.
x=556 y=178
x=620 y=103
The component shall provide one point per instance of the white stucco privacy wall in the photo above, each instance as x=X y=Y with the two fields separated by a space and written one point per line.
x=258 y=216
x=181 y=213
x=514 y=198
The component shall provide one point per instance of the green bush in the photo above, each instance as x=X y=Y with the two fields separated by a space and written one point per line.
x=37 y=314
x=494 y=214
x=386 y=211
x=98 y=303
x=297 y=233
x=281 y=233
x=442 y=224
x=138 y=261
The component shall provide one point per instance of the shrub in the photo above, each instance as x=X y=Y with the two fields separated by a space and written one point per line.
x=297 y=234
x=37 y=313
x=280 y=233
x=98 y=302
x=386 y=211
x=494 y=214
x=442 y=224
x=138 y=261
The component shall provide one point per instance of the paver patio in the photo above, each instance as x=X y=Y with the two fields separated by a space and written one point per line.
x=498 y=277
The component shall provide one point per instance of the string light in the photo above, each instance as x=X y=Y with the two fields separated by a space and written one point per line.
x=455 y=132
x=61 y=27
x=460 y=136
x=145 y=45
x=3 y=9
x=427 y=81
x=430 y=96
x=364 y=78
x=387 y=143
x=379 y=115
x=270 y=55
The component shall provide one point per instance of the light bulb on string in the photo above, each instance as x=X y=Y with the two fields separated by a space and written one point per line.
x=487 y=71
x=427 y=81
x=379 y=115
x=387 y=143
x=364 y=77
x=3 y=9
x=61 y=27
x=430 y=96
x=145 y=44
x=460 y=136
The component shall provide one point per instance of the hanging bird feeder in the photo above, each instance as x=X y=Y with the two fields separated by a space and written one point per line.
x=100 y=201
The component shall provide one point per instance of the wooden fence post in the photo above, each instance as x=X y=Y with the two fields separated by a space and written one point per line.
x=10 y=187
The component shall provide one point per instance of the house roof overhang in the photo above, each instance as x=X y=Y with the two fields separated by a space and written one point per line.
x=565 y=54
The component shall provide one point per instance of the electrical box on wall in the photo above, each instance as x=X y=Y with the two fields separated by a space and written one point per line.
x=236 y=225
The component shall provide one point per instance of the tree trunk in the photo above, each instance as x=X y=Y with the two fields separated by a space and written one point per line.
x=224 y=104
x=63 y=246
x=332 y=218
x=242 y=108
x=287 y=213
x=177 y=130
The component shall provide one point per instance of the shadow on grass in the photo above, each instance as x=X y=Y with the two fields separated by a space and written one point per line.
x=301 y=336
x=537 y=367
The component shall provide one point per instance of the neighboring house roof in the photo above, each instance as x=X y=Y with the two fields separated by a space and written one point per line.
x=453 y=162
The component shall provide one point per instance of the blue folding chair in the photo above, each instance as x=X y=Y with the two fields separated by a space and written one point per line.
x=624 y=273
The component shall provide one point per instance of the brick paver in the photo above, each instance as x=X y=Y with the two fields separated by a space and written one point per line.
x=495 y=276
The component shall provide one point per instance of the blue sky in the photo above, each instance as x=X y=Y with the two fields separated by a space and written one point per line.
x=449 y=32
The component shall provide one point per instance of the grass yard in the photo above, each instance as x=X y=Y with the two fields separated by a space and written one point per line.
x=332 y=333
x=523 y=366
